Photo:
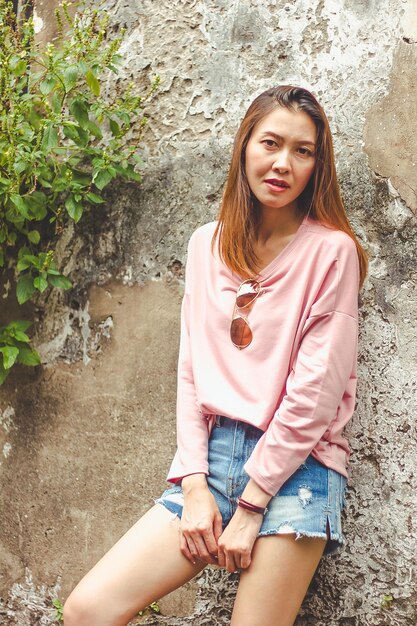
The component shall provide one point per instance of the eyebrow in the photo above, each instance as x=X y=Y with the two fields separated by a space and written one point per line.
x=269 y=132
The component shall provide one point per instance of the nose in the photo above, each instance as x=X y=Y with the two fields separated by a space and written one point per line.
x=282 y=161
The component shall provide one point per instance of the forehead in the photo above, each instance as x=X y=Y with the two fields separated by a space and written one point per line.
x=292 y=125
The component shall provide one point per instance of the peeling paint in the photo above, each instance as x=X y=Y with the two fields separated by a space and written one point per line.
x=37 y=23
x=6 y=421
x=6 y=286
x=83 y=320
x=409 y=22
x=31 y=602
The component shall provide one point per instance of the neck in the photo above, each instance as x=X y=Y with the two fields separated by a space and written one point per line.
x=277 y=223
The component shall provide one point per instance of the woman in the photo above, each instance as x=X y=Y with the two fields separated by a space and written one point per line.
x=266 y=384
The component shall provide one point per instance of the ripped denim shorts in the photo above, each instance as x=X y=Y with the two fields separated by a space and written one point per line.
x=308 y=504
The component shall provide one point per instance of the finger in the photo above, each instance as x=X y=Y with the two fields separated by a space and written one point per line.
x=192 y=548
x=245 y=560
x=202 y=550
x=221 y=558
x=230 y=563
x=210 y=542
x=237 y=559
x=217 y=527
x=185 y=550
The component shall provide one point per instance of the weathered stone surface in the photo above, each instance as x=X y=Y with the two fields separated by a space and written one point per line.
x=393 y=122
x=104 y=399
x=83 y=458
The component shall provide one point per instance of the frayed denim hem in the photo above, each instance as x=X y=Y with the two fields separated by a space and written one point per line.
x=173 y=507
x=334 y=543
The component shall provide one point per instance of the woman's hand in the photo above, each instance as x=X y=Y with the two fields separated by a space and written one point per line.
x=236 y=542
x=201 y=521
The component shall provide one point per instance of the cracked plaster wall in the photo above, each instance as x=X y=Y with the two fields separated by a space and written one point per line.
x=81 y=435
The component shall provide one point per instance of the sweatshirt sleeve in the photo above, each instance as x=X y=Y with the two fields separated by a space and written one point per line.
x=191 y=456
x=318 y=379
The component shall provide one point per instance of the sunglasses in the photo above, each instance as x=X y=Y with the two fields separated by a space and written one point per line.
x=240 y=332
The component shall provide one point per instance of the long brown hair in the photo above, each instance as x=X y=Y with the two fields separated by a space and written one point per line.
x=239 y=218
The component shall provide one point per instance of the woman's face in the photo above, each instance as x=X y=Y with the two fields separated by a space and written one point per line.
x=280 y=157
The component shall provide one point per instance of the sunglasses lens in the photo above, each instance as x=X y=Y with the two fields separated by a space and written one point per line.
x=240 y=332
x=247 y=293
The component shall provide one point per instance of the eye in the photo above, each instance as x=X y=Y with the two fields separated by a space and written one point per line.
x=305 y=152
x=269 y=143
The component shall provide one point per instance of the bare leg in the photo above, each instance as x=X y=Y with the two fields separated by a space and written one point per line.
x=272 y=589
x=143 y=566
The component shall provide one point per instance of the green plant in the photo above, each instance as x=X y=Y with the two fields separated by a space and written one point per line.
x=153 y=608
x=386 y=602
x=65 y=134
x=59 y=612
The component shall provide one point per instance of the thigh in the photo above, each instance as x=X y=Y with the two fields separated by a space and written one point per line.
x=277 y=580
x=144 y=565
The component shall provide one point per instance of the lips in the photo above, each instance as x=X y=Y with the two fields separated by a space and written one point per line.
x=276 y=182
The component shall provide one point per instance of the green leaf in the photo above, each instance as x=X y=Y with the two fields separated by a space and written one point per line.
x=62 y=282
x=71 y=132
x=75 y=209
x=10 y=354
x=115 y=128
x=3 y=374
x=23 y=264
x=24 y=288
x=102 y=178
x=80 y=177
x=40 y=283
x=83 y=137
x=21 y=336
x=129 y=172
x=125 y=117
x=94 y=130
x=28 y=356
x=92 y=82
x=19 y=325
x=30 y=207
x=22 y=251
x=20 y=68
x=77 y=134
x=93 y=197
x=13 y=61
x=32 y=259
x=56 y=102
x=79 y=110
x=50 y=138
x=83 y=66
x=34 y=236
x=34 y=118
x=11 y=238
x=1 y=257
x=21 y=205
x=47 y=85
x=70 y=77
x=21 y=166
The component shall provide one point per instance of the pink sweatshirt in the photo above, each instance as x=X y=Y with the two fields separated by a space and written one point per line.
x=297 y=379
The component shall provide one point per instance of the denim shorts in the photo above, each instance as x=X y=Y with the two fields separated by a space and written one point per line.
x=312 y=496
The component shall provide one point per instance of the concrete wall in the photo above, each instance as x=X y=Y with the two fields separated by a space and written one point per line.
x=87 y=437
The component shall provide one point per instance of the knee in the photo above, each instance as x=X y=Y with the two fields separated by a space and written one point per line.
x=79 y=611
